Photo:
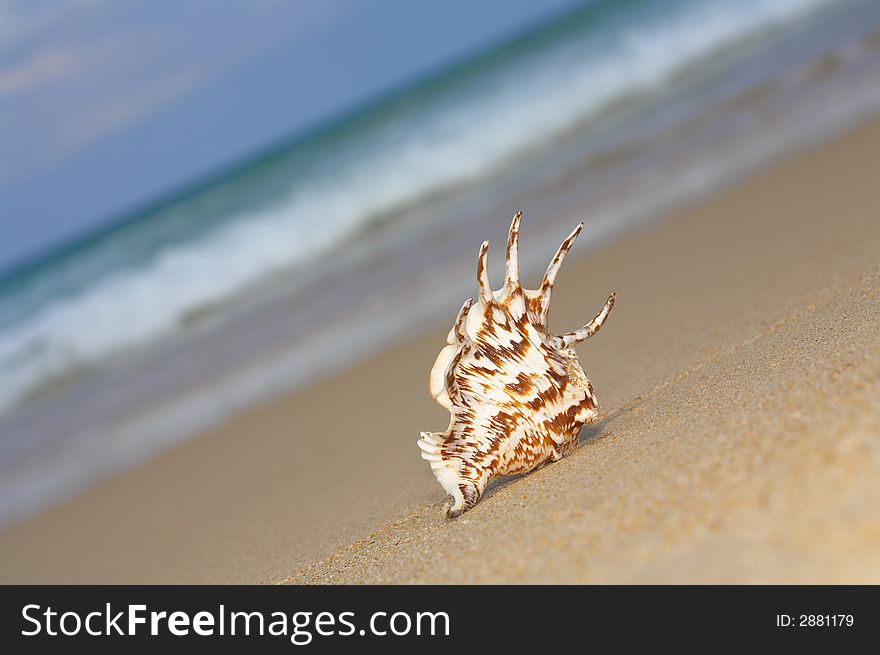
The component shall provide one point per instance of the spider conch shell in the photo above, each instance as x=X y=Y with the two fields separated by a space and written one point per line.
x=517 y=395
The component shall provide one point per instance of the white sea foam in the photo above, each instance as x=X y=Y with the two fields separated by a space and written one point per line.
x=464 y=132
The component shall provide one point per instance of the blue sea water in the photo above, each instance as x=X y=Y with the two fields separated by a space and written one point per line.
x=236 y=290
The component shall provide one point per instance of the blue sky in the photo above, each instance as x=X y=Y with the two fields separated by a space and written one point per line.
x=106 y=105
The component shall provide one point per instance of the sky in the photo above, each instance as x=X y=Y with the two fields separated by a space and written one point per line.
x=108 y=105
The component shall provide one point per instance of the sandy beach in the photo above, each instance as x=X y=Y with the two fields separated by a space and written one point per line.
x=739 y=378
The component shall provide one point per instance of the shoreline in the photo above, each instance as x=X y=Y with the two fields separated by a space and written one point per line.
x=735 y=300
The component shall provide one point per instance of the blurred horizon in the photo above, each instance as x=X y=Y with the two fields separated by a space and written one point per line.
x=28 y=66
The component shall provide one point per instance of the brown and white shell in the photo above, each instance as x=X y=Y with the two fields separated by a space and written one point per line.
x=517 y=395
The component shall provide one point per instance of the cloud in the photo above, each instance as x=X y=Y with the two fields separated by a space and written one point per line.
x=146 y=98
x=39 y=69
x=73 y=73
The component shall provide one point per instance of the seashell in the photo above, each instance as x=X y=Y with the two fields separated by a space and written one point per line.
x=516 y=393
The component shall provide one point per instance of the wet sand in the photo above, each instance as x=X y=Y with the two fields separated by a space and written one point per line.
x=739 y=376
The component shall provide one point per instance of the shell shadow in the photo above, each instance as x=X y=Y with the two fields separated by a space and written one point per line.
x=593 y=431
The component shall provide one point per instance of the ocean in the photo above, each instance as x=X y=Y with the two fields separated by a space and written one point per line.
x=349 y=238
